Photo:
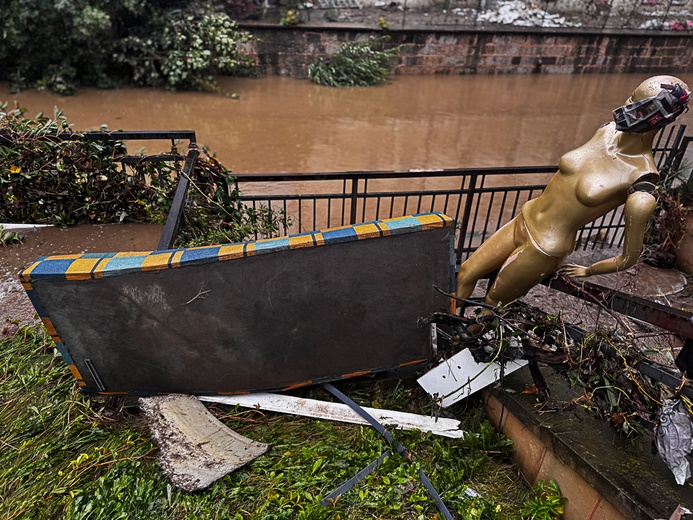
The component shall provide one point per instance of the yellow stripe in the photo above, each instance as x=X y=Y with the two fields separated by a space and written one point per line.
x=27 y=286
x=175 y=262
x=385 y=229
x=98 y=270
x=132 y=253
x=64 y=257
x=81 y=269
x=230 y=252
x=155 y=262
x=366 y=231
x=250 y=250
x=319 y=239
x=300 y=241
x=56 y=339
x=433 y=221
x=25 y=275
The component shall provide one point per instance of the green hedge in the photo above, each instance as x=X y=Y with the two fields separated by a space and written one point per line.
x=60 y=45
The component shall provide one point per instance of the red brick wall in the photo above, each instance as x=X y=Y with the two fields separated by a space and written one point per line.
x=289 y=50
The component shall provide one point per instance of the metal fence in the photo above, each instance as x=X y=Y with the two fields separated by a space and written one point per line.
x=480 y=199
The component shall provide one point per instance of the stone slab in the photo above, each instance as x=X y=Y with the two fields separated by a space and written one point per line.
x=195 y=448
x=624 y=473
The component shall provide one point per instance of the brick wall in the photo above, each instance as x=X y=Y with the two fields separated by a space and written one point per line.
x=289 y=50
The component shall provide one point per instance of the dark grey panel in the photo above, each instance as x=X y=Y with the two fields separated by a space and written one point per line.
x=258 y=323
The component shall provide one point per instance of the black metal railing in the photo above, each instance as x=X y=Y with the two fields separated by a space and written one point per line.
x=480 y=199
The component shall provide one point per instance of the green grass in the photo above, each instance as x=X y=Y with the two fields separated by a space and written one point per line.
x=67 y=455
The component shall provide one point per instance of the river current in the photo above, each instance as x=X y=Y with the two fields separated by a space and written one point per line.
x=287 y=125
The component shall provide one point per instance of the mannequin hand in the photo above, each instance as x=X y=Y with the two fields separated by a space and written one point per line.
x=575 y=270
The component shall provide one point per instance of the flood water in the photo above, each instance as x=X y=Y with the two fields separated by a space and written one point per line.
x=287 y=125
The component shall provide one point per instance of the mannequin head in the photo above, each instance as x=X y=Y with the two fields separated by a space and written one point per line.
x=655 y=103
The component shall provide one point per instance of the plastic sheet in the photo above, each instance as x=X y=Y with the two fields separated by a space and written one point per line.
x=519 y=13
x=674 y=438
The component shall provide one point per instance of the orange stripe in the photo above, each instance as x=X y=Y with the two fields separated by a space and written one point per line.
x=75 y=372
x=415 y=362
x=49 y=326
x=297 y=385
x=356 y=374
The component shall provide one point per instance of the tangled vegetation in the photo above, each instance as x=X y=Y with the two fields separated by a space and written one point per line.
x=8 y=237
x=66 y=455
x=668 y=223
x=104 y=43
x=601 y=365
x=356 y=64
x=45 y=179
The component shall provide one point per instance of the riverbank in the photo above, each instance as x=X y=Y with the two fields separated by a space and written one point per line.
x=500 y=49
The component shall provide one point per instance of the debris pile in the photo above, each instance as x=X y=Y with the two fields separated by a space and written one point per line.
x=671 y=25
x=523 y=14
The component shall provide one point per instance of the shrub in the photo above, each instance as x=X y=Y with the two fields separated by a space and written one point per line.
x=62 y=45
x=44 y=179
x=356 y=64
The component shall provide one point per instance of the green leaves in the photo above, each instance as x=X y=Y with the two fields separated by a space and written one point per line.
x=8 y=237
x=67 y=455
x=105 y=43
x=546 y=505
x=356 y=64
x=47 y=180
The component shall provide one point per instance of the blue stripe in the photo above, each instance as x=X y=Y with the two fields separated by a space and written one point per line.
x=34 y=299
x=123 y=264
x=64 y=353
x=199 y=256
x=404 y=225
x=48 y=269
x=267 y=246
x=337 y=236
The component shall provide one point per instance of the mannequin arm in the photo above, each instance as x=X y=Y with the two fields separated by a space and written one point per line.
x=639 y=206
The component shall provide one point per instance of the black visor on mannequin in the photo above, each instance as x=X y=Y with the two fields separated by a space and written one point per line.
x=653 y=112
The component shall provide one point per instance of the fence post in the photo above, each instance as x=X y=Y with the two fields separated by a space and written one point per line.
x=354 y=199
x=466 y=214
x=175 y=215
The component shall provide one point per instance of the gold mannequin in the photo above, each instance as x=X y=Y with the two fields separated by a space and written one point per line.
x=591 y=181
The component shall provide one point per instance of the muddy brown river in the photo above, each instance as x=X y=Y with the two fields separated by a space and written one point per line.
x=285 y=125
